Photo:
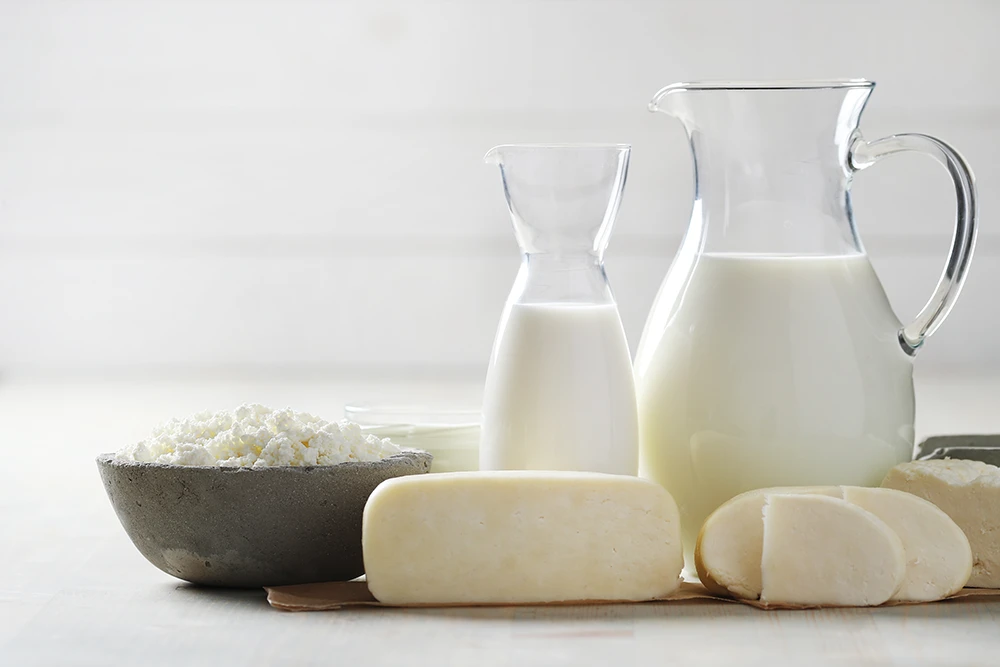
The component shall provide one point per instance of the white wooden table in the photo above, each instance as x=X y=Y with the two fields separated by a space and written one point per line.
x=75 y=592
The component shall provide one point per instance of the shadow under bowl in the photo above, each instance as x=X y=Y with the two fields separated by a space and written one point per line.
x=250 y=527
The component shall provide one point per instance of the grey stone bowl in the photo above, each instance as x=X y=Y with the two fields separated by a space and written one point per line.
x=245 y=527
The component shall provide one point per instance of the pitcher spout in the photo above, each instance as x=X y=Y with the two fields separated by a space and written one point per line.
x=661 y=101
x=493 y=155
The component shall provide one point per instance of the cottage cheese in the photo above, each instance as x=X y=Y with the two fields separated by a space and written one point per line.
x=257 y=436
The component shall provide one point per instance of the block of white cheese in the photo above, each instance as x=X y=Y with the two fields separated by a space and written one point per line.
x=938 y=556
x=510 y=537
x=968 y=492
x=825 y=551
x=728 y=551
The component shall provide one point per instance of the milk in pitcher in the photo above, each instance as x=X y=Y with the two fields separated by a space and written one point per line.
x=771 y=371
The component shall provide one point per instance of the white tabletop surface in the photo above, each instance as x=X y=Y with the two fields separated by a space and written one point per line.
x=76 y=592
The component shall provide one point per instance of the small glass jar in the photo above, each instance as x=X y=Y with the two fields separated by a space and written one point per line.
x=451 y=436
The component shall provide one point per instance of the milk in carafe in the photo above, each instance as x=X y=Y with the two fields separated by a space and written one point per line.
x=560 y=393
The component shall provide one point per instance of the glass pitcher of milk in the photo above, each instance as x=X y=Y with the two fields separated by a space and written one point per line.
x=560 y=393
x=771 y=355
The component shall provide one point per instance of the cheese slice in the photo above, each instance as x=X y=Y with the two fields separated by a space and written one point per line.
x=728 y=551
x=512 y=537
x=938 y=556
x=968 y=492
x=825 y=551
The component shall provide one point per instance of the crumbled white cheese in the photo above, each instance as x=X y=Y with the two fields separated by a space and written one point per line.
x=257 y=436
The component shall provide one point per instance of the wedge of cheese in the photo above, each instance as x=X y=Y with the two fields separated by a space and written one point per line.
x=728 y=551
x=520 y=537
x=825 y=551
x=938 y=556
x=968 y=492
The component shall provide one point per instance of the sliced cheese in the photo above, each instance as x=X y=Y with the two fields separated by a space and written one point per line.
x=728 y=551
x=938 y=556
x=968 y=492
x=825 y=551
x=520 y=537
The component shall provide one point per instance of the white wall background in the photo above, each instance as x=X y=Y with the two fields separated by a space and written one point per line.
x=298 y=185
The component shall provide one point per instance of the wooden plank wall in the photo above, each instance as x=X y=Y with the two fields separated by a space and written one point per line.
x=265 y=185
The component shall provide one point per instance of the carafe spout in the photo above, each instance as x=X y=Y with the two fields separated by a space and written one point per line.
x=562 y=198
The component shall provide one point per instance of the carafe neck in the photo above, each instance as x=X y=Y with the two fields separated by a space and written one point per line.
x=561 y=278
x=562 y=200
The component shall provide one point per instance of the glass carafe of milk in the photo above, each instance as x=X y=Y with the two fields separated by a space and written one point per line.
x=560 y=393
x=771 y=355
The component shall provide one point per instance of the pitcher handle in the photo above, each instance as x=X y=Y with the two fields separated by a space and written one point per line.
x=864 y=154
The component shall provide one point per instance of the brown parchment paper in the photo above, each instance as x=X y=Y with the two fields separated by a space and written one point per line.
x=339 y=594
